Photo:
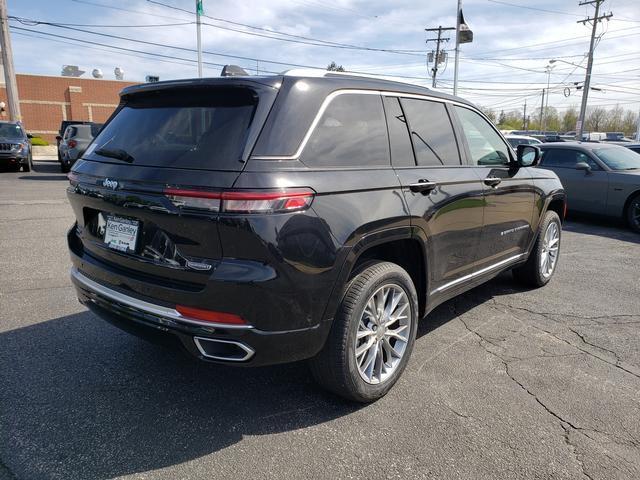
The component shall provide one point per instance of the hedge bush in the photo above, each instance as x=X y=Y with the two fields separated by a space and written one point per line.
x=39 y=142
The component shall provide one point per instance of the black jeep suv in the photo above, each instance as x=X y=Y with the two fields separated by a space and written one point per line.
x=260 y=220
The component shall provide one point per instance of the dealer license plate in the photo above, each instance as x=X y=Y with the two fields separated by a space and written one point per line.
x=121 y=234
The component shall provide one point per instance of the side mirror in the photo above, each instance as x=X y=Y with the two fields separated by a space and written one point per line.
x=58 y=137
x=29 y=136
x=583 y=166
x=527 y=155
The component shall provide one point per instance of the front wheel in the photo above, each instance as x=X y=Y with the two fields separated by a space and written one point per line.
x=27 y=167
x=633 y=213
x=543 y=259
x=372 y=335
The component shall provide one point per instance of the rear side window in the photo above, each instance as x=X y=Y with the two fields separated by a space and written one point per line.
x=399 y=139
x=194 y=129
x=351 y=133
x=432 y=133
x=566 y=158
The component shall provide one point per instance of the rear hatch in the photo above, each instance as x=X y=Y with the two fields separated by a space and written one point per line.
x=161 y=141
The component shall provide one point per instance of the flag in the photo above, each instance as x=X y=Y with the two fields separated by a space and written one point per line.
x=465 y=35
x=199 y=9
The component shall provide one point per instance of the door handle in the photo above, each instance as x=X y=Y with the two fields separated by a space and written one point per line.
x=422 y=186
x=492 y=181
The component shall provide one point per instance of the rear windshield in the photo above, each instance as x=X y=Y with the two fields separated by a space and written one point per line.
x=195 y=129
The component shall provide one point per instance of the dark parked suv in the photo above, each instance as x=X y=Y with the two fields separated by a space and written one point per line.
x=260 y=220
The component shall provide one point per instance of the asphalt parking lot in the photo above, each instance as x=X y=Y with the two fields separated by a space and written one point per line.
x=504 y=383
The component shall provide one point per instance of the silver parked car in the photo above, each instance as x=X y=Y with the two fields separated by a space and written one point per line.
x=600 y=179
x=74 y=142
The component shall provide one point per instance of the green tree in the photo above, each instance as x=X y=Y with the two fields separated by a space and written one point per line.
x=629 y=123
x=613 y=121
x=595 y=120
x=334 y=67
x=569 y=119
x=491 y=115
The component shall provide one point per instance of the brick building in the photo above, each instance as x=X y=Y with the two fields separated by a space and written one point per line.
x=47 y=100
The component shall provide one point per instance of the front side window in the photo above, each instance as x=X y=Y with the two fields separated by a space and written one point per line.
x=566 y=158
x=431 y=132
x=351 y=133
x=485 y=145
x=619 y=158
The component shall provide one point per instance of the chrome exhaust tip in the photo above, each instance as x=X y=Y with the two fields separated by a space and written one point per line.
x=225 y=350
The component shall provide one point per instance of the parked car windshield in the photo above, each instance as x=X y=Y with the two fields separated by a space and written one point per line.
x=619 y=158
x=9 y=130
x=180 y=129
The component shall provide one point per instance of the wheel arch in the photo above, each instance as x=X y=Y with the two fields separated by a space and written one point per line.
x=397 y=245
x=627 y=202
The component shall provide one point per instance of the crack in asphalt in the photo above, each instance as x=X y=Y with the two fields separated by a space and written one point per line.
x=566 y=425
x=551 y=316
x=616 y=364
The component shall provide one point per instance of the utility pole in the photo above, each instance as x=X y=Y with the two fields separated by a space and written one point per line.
x=524 y=117
x=638 y=128
x=587 y=79
x=541 y=110
x=199 y=12
x=436 y=58
x=7 y=63
x=455 y=66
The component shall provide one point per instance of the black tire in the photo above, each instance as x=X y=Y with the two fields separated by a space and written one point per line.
x=530 y=273
x=27 y=167
x=335 y=366
x=64 y=168
x=632 y=213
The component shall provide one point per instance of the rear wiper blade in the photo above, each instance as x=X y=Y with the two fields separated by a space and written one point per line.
x=117 y=153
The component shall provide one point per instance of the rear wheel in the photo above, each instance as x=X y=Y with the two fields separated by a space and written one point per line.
x=542 y=261
x=633 y=213
x=372 y=335
x=64 y=168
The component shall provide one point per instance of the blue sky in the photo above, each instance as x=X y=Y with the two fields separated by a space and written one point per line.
x=502 y=68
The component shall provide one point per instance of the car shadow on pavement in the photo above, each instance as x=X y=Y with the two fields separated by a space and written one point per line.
x=614 y=229
x=81 y=399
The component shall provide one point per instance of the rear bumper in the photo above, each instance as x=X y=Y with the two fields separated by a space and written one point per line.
x=238 y=345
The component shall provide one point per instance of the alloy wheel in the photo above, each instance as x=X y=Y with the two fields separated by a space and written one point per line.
x=550 y=248
x=383 y=333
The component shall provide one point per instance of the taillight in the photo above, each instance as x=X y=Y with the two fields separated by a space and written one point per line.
x=210 y=315
x=243 y=201
x=72 y=143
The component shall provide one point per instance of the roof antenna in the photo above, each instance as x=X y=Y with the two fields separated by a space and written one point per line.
x=233 y=71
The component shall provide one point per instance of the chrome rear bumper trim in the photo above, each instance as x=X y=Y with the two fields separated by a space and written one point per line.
x=146 y=307
x=248 y=350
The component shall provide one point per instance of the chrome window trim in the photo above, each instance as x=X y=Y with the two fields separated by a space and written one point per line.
x=147 y=307
x=477 y=273
x=346 y=91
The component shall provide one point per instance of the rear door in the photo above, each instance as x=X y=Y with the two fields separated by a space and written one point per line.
x=508 y=191
x=444 y=196
x=586 y=191
x=144 y=194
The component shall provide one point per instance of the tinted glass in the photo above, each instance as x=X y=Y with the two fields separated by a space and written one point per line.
x=566 y=158
x=635 y=149
x=10 y=130
x=399 y=140
x=431 y=132
x=619 y=158
x=485 y=145
x=95 y=129
x=203 y=129
x=351 y=133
